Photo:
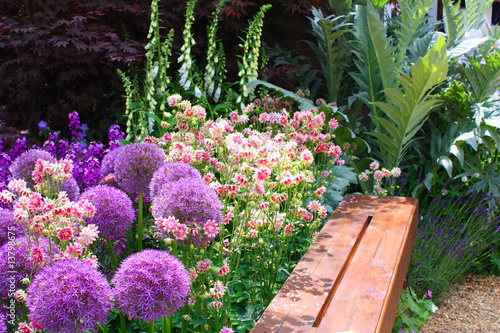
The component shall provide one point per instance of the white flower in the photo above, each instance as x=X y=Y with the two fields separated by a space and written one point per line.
x=464 y=179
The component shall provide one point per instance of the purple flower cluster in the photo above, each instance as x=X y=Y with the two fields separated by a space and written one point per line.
x=22 y=167
x=150 y=284
x=18 y=252
x=8 y=226
x=114 y=210
x=109 y=161
x=69 y=296
x=5 y=161
x=86 y=162
x=3 y=325
x=171 y=172
x=114 y=136
x=18 y=148
x=135 y=165
x=192 y=203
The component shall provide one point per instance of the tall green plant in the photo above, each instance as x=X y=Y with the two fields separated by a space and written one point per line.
x=332 y=47
x=410 y=108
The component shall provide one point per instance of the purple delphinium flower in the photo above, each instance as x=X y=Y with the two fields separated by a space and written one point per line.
x=75 y=126
x=8 y=226
x=114 y=136
x=192 y=203
x=171 y=172
x=69 y=296
x=135 y=165
x=19 y=148
x=86 y=163
x=22 y=167
x=3 y=325
x=150 y=284
x=17 y=251
x=114 y=210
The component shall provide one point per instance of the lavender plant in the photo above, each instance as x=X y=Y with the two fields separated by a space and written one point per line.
x=454 y=230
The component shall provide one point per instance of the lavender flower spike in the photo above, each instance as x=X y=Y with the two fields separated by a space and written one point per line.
x=150 y=284
x=69 y=296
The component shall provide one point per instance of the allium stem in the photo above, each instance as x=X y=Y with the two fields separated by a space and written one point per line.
x=166 y=324
x=112 y=253
x=151 y=327
x=123 y=323
x=139 y=223
x=185 y=309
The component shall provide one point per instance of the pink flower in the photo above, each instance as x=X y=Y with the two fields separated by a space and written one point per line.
x=181 y=231
x=319 y=192
x=192 y=275
x=226 y=330
x=204 y=265
x=168 y=225
x=36 y=256
x=88 y=234
x=74 y=250
x=374 y=165
x=211 y=229
x=24 y=328
x=174 y=99
x=363 y=177
x=334 y=123
x=65 y=233
x=288 y=229
x=314 y=206
x=378 y=175
x=396 y=172
x=223 y=270
x=262 y=174
x=216 y=304
x=429 y=293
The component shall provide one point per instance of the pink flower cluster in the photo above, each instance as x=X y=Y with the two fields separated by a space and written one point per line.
x=378 y=176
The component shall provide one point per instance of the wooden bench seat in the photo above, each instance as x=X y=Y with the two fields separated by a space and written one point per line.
x=351 y=277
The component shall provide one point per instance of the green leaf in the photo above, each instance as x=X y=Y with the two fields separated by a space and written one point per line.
x=304 y=103
x=454 y=20
x=447 y=164
x=409 y=110
x=465 y=46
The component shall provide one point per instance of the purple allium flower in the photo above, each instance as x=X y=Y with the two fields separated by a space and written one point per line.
x=71 y=187
x=193 y=203
x=22 y=167
x=3 y=325
x=135 y=165
x=69 y=296
x=17 y=251
x=150 y=284
x=171 y=172
x=8 y=226
x=114 y=210
x=109 y=161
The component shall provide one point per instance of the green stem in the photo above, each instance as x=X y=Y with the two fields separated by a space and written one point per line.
x=185 y=309
x=123 y=324
x=166 y=325
x=139 y=223
x=152 y=327
x=112 y=253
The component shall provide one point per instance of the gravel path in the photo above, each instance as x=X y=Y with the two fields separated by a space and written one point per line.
x=473 y=306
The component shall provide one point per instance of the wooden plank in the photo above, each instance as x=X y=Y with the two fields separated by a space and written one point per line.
x=370 y=280
x=301 y=298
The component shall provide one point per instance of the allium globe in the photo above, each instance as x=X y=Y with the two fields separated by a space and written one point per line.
x=192 y=203
x=71 y=187
x=150 y=284
x=22 y=167
x=17 y=251
x=171 y=172
x=8 y=226
x=114 y=210
x=108 y=162
x=69 y=296
x=135 y=165
x=3 y=325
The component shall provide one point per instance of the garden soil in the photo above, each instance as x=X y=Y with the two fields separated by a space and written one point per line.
x=472 y=306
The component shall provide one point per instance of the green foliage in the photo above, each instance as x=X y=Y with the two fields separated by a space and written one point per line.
x=454 y=21
x=332 y=48
x=375 y=57
x=343 y=178
x=413 y=14
x=412 y=312
x=482 y=75
x=410 y=109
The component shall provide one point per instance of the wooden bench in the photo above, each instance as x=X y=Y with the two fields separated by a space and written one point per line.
x=351 y=277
